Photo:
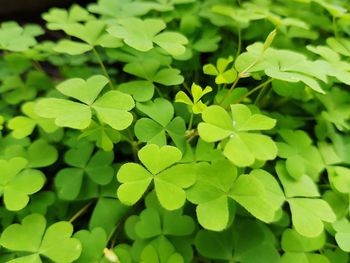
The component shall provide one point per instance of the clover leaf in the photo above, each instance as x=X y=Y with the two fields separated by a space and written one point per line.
x=93 y=242
x=15 y=38
x=104 y=135
x=162 y=251
x=85 y=166
x=154 y=129
x=32 y=237
x=292 y=241
x=305 y=210
x=111 y=108
x=160 y=167
x=17 y=183
x=23 y=126
x=256 y=247
x=197 y=106
x=218 y=188
x=284 y=65
x=152 y=72
x=223 y=75
x=154 y=222
x=339 y=178
x=342 y=228
x=242 y=147
x=58 y=18
x=141 y=34
x=92 y=33
x=301 y=157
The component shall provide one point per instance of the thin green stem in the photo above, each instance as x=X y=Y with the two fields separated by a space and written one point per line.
x=186 y=87
x=229 y=91
x=255 y=89
x=80 y=212
x=37 y=66
x=335 y=28
x=239 y=45
x=103 y=68
x=191 y=122
x=134 y=145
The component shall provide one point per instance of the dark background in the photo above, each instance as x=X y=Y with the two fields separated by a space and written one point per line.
x=31 y=10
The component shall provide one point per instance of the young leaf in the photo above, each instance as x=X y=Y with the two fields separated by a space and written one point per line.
x=223 y=75
x=197 y=106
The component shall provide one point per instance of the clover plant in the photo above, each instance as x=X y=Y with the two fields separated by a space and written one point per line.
x=177 y=131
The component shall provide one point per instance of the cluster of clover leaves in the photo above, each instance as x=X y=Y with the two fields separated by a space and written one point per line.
x=177 y=131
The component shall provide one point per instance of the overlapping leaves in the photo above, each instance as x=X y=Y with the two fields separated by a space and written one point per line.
x=111 y=108
x=242 y=147
x=160 y=166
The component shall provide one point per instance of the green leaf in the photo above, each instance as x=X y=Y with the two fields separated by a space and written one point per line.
x=23 y=126
x=93 y=242
x=72 y=47
x=308 y=214
x=224 y=75
x=38 y=241
x=302 y=157
x=57 y=18
x=282 y=64
x=242 y=147
x=85 y=166
x=140 y=34
x=169 y=183
x=18 y=183
x=41 y=154
x=292 y=241
x=111 y=108
x=16 y=38
x=66 y=113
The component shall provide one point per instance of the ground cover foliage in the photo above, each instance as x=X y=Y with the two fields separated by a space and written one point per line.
x=177 y=131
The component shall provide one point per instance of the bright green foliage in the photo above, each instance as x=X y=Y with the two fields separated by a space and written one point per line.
x=197 y=106
x=111 y=108
x=23 y=126
x=92 y=33
x=141 y=34
x=216 y=192
x=255 y=246
x=301 y=157
x=32 y=237
x=58 y=19
x=18 y=183
x=284 y=65
x=242 y=147
x=85 y=166
x=15 y=38
x=223 y=75
x=169 y=179
x=176 y=131
x=161 y=122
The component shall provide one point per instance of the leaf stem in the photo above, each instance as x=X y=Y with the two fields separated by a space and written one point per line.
x=262 y=85
x=80 y=212
x=229 y=91
x=191 y=122
x=239 y=45
x=104 y=70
